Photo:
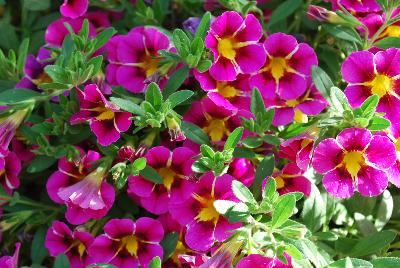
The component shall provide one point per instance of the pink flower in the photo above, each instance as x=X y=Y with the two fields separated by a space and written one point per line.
x=355 y=160
x=204 y=224
x=379 y=74
x=259 y=261
x=374 y=22
x=105 y=118
x=242 y=170
x=74 y=8
x=134 y=57
x=9 y=122
x=287 y=68
x=61 y=240
x=234 y=44
x=298 y=149
x=86 y=194
x=175 y=168
x=358 y=6
x=128 y=244
x=11 y=261
x=10 y=167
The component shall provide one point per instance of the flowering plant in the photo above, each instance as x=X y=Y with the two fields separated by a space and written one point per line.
x=214 y=133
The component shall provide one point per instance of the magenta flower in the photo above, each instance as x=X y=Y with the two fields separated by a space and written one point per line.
x=374 y=21
x=86 y=194
x=204 y=224
x=298 y=150
x=10 y=167
x=9 y=122
x=355 y=160
x=234 y=44
x=11 y=261
x=291 y=179
x=259 y=261
x=105 y=118
x=242 y=170
x=128 y=244
x=358 y=6
x=134 y=57
x=379 y=74
x=74 y=8
x=61 y=240
x=287 y=68
x=175 y=168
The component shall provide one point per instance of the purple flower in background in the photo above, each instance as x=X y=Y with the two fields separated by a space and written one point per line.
x=74 y=8
x=191 y=24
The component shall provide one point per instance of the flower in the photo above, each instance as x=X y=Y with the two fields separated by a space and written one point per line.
x=191 y=24
x=298 y=149
x=10 y=167
x=61 y=240
x=11 y=261
x=259 y=261
x=10 y=120
x=234 y=44
x=86 y=194
x=128 y=244
x=175 y=168
x=375 y=21
x=203 y=222
x=242 y=170
x=223 y=256
x=105 y=118
x=74 y=8
x=355 y=160
x=291 y=179
x=286 y=69
x=134 y=57
x=357 y=6
x=378 y=74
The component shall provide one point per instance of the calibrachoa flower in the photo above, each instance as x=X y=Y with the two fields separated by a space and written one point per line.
x=11 y=261
x=86 y=194
x=242 y=170
x=355 y=160
x=259 y=261
x=291 y=179
x=133 y=57
x=379 y=74
x=204 y=224
x=298 y=149
x=74 y=8
x=128 y=244
x=175 y=168
x=234 y=44
x=10 y=167
x=9 y=122
x=105 y=118
x=357 y=6
x=375 y=21
x=61 y=240
x=287 y=68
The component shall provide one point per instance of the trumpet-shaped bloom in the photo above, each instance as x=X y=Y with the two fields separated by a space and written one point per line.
x=378 y=74
x=74 y=8
x=203 y=222
x=10 y=167
x=128 y=244
x=11 y=261
x=259 y=261
x=234 y=44
x=287 y=68
x=105 y=118
x=175 y=169
x=9 y=122
x=134 y=58
x=355 y=160
x=74 y=244
x=298 y=149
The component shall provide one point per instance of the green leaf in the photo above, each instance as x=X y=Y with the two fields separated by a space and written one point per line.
x=322 y=82
x=152 y=175
x=103 y=37
x=385 y=262
x=207 y=151
x=169 y=244
x=283 y=210
x=36 y=5
x=178 y=97
x=257 y=103
x=194 y=133
x=284 y=10
x=38 y=250
x=313 y=213
x=339 y=100
x=154 y=96
x=269 y=188
x=372 y=243
x=101 y=265
x=233 y=138
x=350 y=262
x=369 y=106
x=344 y=33
x=175 y=81
x=252 y=142
x=378 y=123
x=61 y=262
x=264 y=170
x=140 y=163
x=155 y=262
x=388 y=42
x=181 y=42
x=243 y=193
x=22 y=53
x=204 y=26
x=385 y=210
x=40 y=163
x=12 y=96
x=310 y=252
x=127 y=105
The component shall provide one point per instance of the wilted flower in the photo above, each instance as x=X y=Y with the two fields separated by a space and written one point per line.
x=74 y=8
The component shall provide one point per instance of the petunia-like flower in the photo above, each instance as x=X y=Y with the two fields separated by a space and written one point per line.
x=204 y=224
x=11 y=261
x=234 y=44
x=175 y=168
x=128 y=244
x=355 y=160
x=86 y=194
x=105 y=119
x=259 y=261
x=229 y=94
x=10 y=120
x=290 y=179
x=242 y=170
x=375 y=21
x=357 y=6
x=191 y=24
x=74 y=8
x=287 y=68
x=298 y=149
x=379 y=74
x=61 y=240
x=10 y=167
x=134 y=57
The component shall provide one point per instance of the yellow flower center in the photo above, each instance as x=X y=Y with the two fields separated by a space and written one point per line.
x=226 y=48
x=300 y=117
x=397 y=144
x=216 y=129
x=105 y=114
x=280 y=182
x=179 y=250
x=278 y=67
x=168 y=176
x=353 y=161
x=207 y=211
x=225 y=90
x=131 y=244
x=381 y=85
x=81 y=249
x=292 y=103
x=149 y=65
x=391 y=31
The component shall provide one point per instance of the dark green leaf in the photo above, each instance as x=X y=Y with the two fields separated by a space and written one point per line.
x=175 y=81
x=257 y=103
x=345 y=263
x=103 y=37
x=263 y=171
x=178 y=97
x=313 y=213
x=61 y=262
x=152 y=175
x=344 y=33
x=204 y=26
x=372 y=243
x=11 y=96
x=195 y=133
x=169 y=244
x=386 y=262
x=36 y=5
x=38 y=250
x=40 y=163
x=322 y=82
x=284 y=10
x=154 y=96
x=388 y=42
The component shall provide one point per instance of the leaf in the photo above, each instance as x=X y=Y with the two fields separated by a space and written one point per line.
x=175 y=81
x=36 y=5
x=263 y=171
x=378 y=123
x=155 y=262
x=243 y=193
x=233 y=138
x=388 y=42
x=344 y=263
x=269 y=188
x=12 y=96
x=385 y=210
x=313 y=213
x=169 y=244
x=372 y=243
x=339 y=100
x=181 y=42
x=283 y=210
x=257 y=103
x=38 y=250
x=178 y=97
x=194 y=133
x=152 y=175
x=40 y=163
x=127 y=105
x=22 y=53
x=154 y=96
x=101 y=265
x=322 y=82
x=284 y=10
x=385 y=262
x=61 y=262
x=310 y=252
x=369 y=106
x=103 y=37
x=204 y=26
x=344 y=33
x=140 y=163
